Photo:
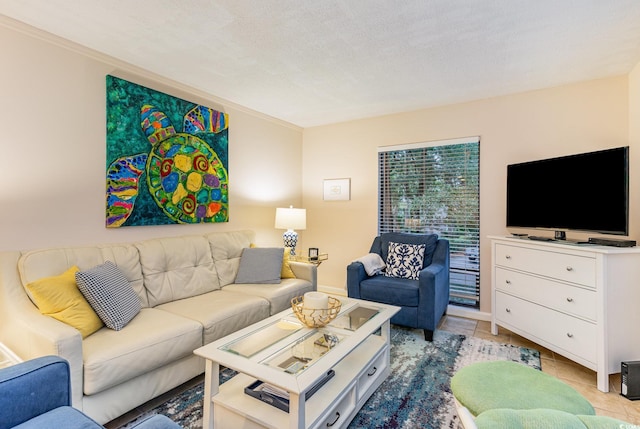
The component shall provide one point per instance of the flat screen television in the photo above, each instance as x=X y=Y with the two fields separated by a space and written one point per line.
x=583 y=192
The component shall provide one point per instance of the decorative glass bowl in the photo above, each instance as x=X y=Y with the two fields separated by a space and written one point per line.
x=315 y=318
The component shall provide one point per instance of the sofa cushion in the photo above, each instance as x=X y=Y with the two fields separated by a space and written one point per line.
x=219 y=312
x=226 y=249
x=60 y=298
x=176 y=268
x=429 y=240
x=278 y=295
x=110 y=294
x=36 y=264
x=404 y=260
x=260 y=265
x=153 y=339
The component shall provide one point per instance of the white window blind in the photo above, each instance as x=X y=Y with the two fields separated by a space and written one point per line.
x=434 y=187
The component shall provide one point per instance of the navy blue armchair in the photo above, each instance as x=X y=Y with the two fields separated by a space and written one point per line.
x=424 y=301
x=37 y=394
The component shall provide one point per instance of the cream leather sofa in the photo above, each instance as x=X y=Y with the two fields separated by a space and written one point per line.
x=188 y=298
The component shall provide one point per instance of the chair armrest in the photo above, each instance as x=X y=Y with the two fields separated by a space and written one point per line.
x=355 y=274
x=434 y=287
x=32 y=388
x=305 y=271
x=441 y=254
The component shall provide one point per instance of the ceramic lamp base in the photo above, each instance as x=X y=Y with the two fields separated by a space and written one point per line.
x=290 y=238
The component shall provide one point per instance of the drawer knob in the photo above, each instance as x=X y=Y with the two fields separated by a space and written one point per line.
x=569 y=268
x=508 y=256
x=335 y=421
x=375 y=369
x=569 y=334
x=569 y=299
x=508 y=310
x=508 y=282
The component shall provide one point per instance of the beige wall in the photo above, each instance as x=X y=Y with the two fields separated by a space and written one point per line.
x=634 y=141
x=539 y=124
x=52 y=161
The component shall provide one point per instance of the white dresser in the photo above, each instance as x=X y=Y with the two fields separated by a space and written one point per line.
x=581 y=301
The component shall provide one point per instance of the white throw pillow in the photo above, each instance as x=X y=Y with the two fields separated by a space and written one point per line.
x=405 y=260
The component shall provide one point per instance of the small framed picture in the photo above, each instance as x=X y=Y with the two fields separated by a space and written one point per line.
x=313 y=253
x=337 y=189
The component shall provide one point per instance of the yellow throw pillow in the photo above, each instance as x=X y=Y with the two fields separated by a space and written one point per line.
x=60 y=298
x=286 y=272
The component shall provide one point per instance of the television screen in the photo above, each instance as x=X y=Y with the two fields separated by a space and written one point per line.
x=585 y=192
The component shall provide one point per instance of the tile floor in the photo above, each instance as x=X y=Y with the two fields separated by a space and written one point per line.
x=582 y=379
x=610 y=404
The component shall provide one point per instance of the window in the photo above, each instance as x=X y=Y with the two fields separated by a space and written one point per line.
x=434 y=187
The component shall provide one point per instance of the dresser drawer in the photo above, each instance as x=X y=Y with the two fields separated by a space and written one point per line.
x=560 y=296
x=573 y=335
x=558 y=265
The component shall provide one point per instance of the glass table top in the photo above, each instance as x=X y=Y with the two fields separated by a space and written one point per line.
x=259 y=340
x=301 y=346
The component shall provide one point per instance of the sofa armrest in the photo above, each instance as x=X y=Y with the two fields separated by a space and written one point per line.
x=29 y=333
x=305 y=271
x=32 y=388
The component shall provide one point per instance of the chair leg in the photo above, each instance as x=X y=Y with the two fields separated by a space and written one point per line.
x=428 y=335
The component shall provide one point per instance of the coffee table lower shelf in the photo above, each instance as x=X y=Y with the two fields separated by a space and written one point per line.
x=357 y=376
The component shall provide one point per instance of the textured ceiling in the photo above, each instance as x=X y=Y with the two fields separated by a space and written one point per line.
x=313 y=62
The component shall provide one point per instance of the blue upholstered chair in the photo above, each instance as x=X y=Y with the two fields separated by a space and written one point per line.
x=424 y=301
x=37 y=394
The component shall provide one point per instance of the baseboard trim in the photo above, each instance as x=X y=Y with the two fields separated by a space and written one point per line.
x=332 y=290
x=469 y=313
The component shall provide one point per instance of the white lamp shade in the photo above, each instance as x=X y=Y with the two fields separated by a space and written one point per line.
x=290 y=218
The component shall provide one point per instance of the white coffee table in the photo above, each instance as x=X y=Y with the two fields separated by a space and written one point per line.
x=284 y=353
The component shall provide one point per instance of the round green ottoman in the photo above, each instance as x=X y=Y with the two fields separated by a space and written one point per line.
x=544 y=418
x=528 y=419
x=484 y=386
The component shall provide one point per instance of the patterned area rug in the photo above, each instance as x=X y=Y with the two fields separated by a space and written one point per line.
x=417 y=394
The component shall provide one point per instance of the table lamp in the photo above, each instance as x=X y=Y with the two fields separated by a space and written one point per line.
x=290 y=219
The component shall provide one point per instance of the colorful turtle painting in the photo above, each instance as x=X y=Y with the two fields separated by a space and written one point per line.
x=184 y=175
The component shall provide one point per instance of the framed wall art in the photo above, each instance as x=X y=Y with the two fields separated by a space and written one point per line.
x=167 y=158
x=337 y=189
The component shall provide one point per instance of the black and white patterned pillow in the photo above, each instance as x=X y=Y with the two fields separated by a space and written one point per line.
x=110 y=294
x=405 y=260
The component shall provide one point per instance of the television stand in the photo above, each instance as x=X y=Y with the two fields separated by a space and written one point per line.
x=540 y=238
x=578 y=301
